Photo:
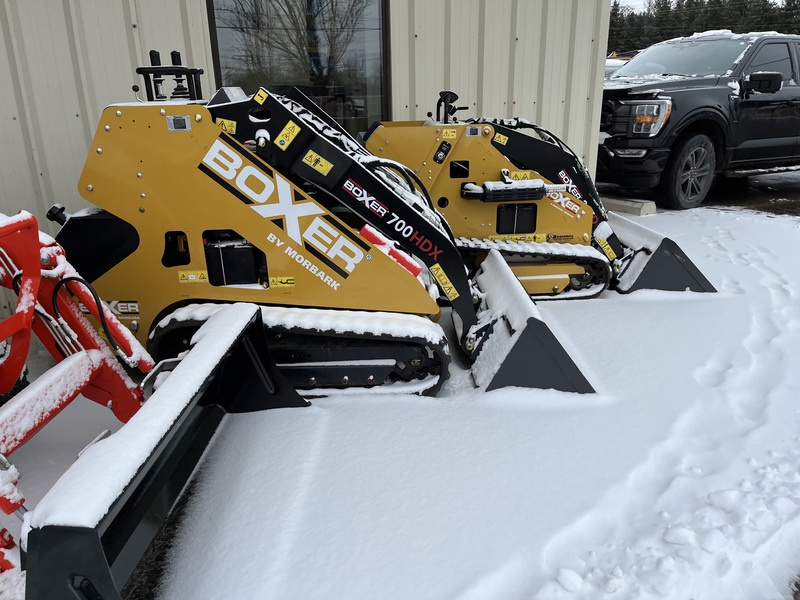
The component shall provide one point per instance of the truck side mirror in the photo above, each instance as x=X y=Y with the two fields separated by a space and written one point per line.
x=764 y=83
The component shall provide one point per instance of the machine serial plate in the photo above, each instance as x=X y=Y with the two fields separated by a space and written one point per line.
x=179 y=123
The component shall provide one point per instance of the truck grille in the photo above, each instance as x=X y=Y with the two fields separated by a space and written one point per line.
x=607 y=116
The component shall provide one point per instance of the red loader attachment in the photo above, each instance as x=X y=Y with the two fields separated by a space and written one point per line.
x=89 y=533
x=34 y=267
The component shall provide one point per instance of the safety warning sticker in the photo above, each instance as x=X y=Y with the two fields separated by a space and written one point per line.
x=281 y=282
x=227 y=126
x=193 y=276
x=607 y=248
x=260 y=95
x=314 y=160
x=444 y=281
x=287 y=135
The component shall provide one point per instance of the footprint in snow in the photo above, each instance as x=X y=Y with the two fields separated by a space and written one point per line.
x=731 y=286
x=714 y=373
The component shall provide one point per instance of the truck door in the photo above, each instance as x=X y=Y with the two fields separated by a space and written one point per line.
x=768 y=124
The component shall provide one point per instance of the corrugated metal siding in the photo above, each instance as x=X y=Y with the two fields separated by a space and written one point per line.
x=538 y=59
x=63 y=62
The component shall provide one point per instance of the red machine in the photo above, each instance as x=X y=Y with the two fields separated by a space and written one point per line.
x=51 y=298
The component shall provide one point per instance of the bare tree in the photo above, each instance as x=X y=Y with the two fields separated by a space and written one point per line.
x=289 y=40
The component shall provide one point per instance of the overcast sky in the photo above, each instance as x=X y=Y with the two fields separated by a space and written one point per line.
x=637 y=5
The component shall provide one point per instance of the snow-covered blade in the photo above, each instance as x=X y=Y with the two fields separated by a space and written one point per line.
x=656 y=262
x=89 y=533
x=519 y=350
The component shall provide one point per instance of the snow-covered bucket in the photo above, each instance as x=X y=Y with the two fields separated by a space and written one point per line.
x=520 y=350
x=92 y=528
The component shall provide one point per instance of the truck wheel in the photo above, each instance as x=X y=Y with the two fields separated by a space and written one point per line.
x=689 y=173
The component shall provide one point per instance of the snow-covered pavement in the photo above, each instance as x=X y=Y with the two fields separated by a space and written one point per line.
x=680 y=478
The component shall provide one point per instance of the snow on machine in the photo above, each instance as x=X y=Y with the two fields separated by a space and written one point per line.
x=260 y=253
x=265 y=199
x=512 y=186
x=89 y=533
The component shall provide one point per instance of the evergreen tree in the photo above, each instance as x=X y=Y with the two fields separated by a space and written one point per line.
x=765 y=15
x=790 y=17
x=663 y=23
x=665 y=19
x=694 y=19
x=738 y=15
x=636 y=29
x=615 y=26
x=680 y=17
x=717 y=14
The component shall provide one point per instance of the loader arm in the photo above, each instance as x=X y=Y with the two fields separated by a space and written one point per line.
x=312 y=149
x=552 y=158
x=544 y=152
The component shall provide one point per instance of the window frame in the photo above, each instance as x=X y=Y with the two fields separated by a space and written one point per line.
x=385 y=46
x=749 y=70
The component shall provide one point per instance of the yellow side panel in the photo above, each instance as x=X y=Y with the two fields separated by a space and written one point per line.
x=560 y=217
x=168 y=168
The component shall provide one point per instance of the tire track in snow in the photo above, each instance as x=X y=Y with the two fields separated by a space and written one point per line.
x=652 y=548
x=293 y=525
x=249 y=451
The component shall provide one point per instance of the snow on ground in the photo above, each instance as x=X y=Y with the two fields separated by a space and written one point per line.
x=680 y=478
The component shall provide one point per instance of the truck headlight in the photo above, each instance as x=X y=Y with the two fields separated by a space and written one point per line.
x=648 y=116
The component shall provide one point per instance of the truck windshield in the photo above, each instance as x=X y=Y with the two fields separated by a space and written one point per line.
x=688 y=57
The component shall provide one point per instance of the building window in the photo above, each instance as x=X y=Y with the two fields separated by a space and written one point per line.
x=332 y=50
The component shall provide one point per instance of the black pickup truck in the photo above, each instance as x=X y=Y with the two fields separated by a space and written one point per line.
x=685 y=110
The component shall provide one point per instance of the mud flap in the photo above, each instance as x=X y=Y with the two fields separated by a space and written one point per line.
x=518 y=348
x=658 y=264
x=87 y=535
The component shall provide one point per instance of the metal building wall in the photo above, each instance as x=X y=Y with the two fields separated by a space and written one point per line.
x=538 y=59
x=65 y=60
x=62 y=62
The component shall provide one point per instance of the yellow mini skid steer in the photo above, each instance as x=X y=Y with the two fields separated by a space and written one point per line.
x=513 y=186
x=264 y=199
